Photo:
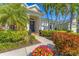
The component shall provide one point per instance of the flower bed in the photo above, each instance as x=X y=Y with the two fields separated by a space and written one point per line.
x=43 y=51
x=66 y=43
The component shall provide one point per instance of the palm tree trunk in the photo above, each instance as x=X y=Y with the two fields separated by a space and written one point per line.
x=56 y=22
x=60 y=23
x=51 y=21
x=64 y=21
x=48 y=22
x=71 y=21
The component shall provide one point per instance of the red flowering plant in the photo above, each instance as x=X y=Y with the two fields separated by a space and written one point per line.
x=66 y=43
x=43 y=51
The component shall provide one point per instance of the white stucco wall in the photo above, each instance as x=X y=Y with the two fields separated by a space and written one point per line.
x=74 y=26
x=43 y=25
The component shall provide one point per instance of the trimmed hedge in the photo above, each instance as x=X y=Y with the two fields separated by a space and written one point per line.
x=46 y=33
x=32 y=37
x=10 y=40
x=12 y=36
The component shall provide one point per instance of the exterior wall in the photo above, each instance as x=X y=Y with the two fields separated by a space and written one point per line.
x=74 y=26
x=43 y=25
x=69 y=26
x=52 y=28
x=37 y=25
x=78 y=26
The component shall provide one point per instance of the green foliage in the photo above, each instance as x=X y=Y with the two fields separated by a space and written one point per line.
x=65 y=9
x=32 y=37
x=10 y=46
x=13 y=14
x=69 y=31
x=46 y=33
x=10 y=40
x=12 y=36
x=7 y=46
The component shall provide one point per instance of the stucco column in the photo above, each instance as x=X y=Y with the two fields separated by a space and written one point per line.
x=37 y=26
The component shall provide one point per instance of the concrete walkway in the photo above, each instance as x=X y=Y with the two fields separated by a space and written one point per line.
x=43 y=40
x=27 y=50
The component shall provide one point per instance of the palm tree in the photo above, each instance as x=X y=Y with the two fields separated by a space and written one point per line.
x=69 y=8
x=46 y=7
x=57 y=12
x=64 y=12
x=73 y=7
x=77 y=16
x=64 y=9
x=51 y=7
x=14 y=15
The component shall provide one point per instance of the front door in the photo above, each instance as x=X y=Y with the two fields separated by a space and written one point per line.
x=32 y=26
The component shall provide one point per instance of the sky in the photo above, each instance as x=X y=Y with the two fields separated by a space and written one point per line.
x=53 y=14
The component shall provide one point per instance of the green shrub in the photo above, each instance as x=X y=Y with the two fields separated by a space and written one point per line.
x=7 y=46
x=69 y=31
x=46 y=33
x=32 y=37
x=12 y=36
x=11 y=46
x=10 y=40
